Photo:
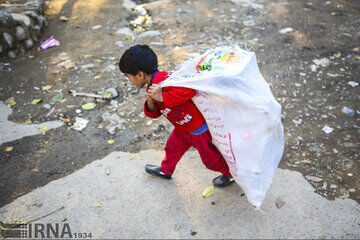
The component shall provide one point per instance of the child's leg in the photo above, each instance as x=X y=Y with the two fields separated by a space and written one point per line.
x=176 y=146
x=210 y=155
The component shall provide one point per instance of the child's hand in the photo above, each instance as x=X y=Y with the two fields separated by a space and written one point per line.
x=155 y=92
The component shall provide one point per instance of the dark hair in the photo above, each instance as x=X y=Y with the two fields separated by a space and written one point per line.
x=138 y=58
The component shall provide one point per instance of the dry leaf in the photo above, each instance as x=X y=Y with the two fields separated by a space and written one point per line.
x=65 y=120
x=208 y=192
x=28 y=122
x=69 y=64
x=111 y=141
x=337 y=55
x=42 y=128
x=106 y=95
x=8 y=149
x=57 y=97
x=36 y=101
x=88 y=106
x=46 y=88
x=65 y=19
x=11 y=104
x=137 y=156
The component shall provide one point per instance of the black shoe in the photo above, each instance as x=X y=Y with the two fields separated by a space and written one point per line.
x=156 y=171
x=222 y=181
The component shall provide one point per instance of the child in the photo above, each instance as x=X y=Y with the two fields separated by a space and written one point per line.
x=139 y=63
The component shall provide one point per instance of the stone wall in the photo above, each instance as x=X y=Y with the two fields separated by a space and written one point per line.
x=21 y=22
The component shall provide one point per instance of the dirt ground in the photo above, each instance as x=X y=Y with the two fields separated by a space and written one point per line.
x=313 y=70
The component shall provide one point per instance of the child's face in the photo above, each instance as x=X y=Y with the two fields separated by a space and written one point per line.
x=138 y=79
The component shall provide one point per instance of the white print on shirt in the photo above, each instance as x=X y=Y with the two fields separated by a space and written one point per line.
x=186 y=119
x=165 y=111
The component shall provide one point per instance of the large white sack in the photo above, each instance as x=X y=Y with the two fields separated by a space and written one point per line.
x=243 y=116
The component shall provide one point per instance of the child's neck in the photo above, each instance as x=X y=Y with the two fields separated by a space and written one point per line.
x=148 y=78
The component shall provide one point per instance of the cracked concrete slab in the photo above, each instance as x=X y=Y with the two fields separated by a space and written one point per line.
x=10 y=131
x=132 y=204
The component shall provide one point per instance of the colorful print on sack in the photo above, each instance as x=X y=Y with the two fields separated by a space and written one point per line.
x=216 y=60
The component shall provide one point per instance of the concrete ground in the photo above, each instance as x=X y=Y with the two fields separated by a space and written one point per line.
x=128 y=203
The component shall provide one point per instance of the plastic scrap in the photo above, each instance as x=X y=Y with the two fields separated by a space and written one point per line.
x=51 y=42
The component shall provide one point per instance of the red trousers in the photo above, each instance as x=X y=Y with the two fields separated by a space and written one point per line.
x=178 y=143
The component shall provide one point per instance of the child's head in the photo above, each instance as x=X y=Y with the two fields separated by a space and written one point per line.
x=137 y=63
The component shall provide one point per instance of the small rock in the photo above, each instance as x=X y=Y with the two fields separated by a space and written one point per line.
x=47 y=106
x=29 y=43
x=80 y=123
x=37 y=31
x=306 y=161
x=333 y=186
x=351 y=190
x=125 y=31
x=335 y=150
x=140 y=10
x=248 y=23
x=87 y=66
x=6 y=20
x=8 y=39
x=279 y=203
x=313 y=68
x=114 y=103
x=353 y=84
x=78 y=111
x=148 y=123
x=22 y=19
x=326 y=129
x=314 y=148
x=110 y=68
x=350 y=174
x=324 y=186
x=297 y=122
x=333 y=75
x=113 y=92
x=41 y=21
x=193 y=233
x=96 y=27
x=128 y=4
x=348 y=111
x=343 y=193
x=12 y=54
x=313 y=178
x=150 y=34
x=20 y=33
x=286 y=30
x=159 y=44
x=119 y=44
x=324 y=62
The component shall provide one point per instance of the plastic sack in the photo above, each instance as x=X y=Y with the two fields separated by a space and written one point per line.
x=243 y=116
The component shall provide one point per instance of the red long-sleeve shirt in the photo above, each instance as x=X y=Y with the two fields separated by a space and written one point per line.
x=177 y=106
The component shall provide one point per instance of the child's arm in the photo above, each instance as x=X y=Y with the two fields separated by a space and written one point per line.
x=173 y=96
x=151 y=109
